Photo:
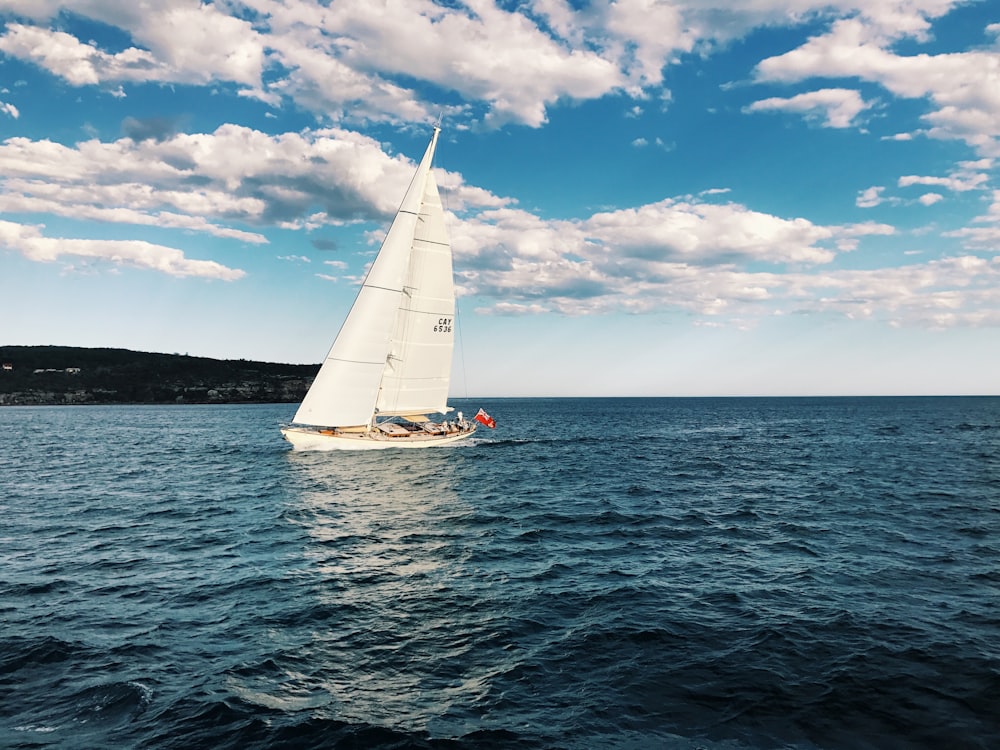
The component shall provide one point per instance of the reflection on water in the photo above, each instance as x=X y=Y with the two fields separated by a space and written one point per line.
x=386 y=639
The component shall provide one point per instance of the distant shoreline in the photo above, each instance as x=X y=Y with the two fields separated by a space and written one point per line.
x=62 y=375
x=83 y=376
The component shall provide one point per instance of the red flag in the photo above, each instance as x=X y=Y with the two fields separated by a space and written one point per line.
x=484 y=418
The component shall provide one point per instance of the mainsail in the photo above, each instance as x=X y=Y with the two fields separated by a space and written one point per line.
x=392 y=355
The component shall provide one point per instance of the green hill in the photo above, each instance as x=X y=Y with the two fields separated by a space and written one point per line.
x=76 y=375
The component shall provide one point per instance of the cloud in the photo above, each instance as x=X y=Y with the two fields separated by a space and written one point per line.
x=994 y=210
x=79 y=203
x=957 y=291
x=966 y=177
x=983 y=238
x=351 y=61
x=957 y=182
x=78 y=63
x=870 y=197
x=985 y=232
x=205 y=181
x=323 y=243
x=656 y=142
x=706 y=232
x=484 y=53
x=483 y=61
x=836 y=108
x=347 y=60
x=725 y=261
x=155 y=128
x=513 y=309
x=9 y=109
x=960 y=291
x=32 y=244
x=176 y=42
x=674 y=254
x=964 y=87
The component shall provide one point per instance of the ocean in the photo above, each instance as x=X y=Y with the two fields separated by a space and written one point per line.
x=719 y=574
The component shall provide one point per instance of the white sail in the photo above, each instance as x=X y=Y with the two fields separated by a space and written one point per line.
x=418 y=370
x=387 y=355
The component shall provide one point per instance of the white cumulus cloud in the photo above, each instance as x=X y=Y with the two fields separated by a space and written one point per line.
x=962 y=87
x=835 y=108
x=29 y=241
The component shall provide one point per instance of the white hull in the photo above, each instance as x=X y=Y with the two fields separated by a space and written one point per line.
x=307 y=439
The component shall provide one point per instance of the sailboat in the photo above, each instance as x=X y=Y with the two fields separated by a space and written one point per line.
x=390 y=364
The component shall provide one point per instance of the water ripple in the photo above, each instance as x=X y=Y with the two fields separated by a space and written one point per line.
x=723 y=574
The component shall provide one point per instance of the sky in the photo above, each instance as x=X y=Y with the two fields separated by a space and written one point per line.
x=676 y=198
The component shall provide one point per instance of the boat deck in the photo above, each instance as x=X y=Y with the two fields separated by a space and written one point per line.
x=397 y=435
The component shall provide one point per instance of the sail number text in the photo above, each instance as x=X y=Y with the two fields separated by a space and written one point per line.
x=443 y=325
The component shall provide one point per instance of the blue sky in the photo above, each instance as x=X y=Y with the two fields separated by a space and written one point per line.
x=766 y=197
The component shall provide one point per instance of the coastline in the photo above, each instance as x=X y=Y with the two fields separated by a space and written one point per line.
x=58 y=375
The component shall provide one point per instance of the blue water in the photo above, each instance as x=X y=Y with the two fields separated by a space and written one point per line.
x=596 y=573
